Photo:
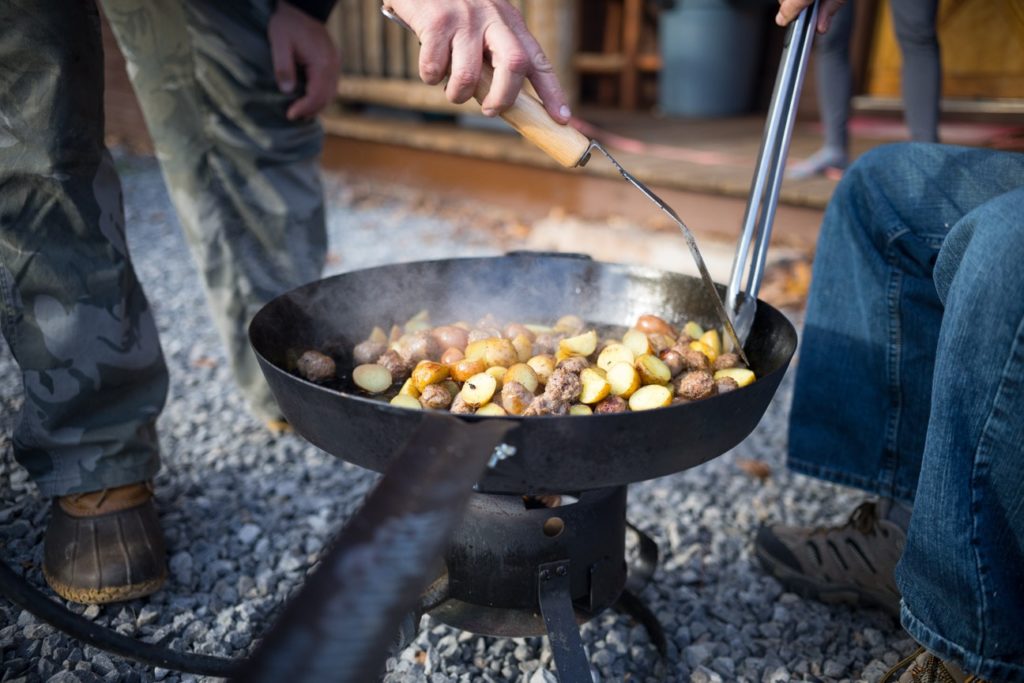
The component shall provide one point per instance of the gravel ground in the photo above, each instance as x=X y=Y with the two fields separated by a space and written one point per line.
x=246 y=514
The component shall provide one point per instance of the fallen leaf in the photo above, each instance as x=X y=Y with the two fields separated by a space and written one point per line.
x=204 y=362
x=755 y=468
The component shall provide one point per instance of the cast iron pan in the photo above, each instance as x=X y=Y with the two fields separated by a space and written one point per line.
x=552 y=454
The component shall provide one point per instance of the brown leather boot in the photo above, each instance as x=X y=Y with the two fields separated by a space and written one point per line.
x=105 y=546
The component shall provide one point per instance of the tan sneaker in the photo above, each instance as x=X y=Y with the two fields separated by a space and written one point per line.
x=852 y=564
x=105 y=546
x=924 y=667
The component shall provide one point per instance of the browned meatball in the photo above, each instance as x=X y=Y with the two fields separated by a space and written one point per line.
x=368 y=351
x=563 y=385
x=515 y=398
x=612 y=404
x=695 y=385
x=435 y=397
x=673 y=360
x=399 y=367
x=460 y=407
x=315 y=366
x=726 y=384
x=692 y=358
x=727 y=360
x=574 y=364
x=547 y=405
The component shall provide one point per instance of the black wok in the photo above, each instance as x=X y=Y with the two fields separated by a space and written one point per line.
x=552 y=454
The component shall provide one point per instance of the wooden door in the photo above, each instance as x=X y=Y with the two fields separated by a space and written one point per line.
x=982 y=45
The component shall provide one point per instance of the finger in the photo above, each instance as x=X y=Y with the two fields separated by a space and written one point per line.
x=789 y=9
x=467 y=57
x=542 y=74
x=321 y=79
x=510 y=63
x=283 y=58
x=828 y=11
x=435 y=53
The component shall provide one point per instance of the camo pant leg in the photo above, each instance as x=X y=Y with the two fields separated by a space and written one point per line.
x=75 y=318
x=244 y=179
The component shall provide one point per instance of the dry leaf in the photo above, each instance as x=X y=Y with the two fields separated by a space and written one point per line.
x=204 y=362
x=755 y=468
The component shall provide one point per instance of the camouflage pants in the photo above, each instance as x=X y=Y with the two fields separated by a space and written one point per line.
x=243 y=180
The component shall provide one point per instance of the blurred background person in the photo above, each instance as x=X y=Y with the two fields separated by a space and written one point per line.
x=914 y=21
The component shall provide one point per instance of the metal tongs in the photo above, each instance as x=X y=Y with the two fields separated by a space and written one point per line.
x=741 y=299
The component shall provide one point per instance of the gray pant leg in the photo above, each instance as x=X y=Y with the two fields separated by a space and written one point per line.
x=244 y=180
x=72 y=311
x=834 y=79
x=921 y=81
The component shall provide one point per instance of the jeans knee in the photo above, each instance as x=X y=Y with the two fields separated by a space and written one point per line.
x=988 y=240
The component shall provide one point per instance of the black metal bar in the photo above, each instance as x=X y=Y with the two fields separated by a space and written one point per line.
x=560 y=619
x=643 y=566
x=632 y=605
x=339 y=626
x=21 y=593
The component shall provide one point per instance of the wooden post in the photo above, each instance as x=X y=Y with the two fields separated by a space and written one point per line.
x=373 y=38
x=553 y=23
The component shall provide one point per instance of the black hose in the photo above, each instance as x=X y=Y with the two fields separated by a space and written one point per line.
x=24 y=595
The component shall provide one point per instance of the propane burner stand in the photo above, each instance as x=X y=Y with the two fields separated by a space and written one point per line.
x=516 y=567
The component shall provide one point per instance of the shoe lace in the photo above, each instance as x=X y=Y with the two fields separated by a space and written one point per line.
x=930 y=669
x=95 y=504
x=103 y=493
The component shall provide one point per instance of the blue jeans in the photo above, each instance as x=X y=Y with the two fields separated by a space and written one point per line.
x=910 y=382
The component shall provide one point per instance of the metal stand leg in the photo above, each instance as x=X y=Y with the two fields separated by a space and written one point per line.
x=641 y=569
x=560 y=619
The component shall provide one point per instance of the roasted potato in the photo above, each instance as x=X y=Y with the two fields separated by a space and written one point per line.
x=372 y=378
x=515 y=398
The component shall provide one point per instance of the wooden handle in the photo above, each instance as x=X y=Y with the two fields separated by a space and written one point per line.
x=527 y=115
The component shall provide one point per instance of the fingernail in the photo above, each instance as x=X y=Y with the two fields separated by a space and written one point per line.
x=564 y=112
x=488 y=111
x=287 y=86
x=779 y=19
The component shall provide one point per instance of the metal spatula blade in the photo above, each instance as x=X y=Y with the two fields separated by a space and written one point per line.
x=691 y=242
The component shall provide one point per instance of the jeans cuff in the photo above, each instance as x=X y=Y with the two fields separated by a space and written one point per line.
x=52 y=487
x=971 y=662
x=818 y=471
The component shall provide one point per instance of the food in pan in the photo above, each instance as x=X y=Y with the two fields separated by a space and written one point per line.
x=515 y=368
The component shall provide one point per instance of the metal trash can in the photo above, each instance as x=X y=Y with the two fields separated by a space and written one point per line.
x=710 y=52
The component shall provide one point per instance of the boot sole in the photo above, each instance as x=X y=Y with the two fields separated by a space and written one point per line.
x=103 y=596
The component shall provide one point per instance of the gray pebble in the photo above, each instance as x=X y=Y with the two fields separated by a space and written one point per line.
x=698 y=654
x=248 y=533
